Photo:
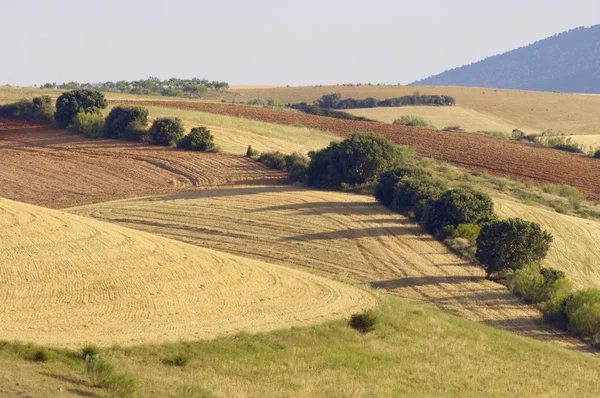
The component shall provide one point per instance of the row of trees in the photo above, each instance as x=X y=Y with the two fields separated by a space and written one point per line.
x=152 y=86
x=335 y=101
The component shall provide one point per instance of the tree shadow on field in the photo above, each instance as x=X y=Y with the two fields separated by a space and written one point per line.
x=218 y=192
x=358 y=233
x=423 y=281
x=65 y=379
x=320 y=208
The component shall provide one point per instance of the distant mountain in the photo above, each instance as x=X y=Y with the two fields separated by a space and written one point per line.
x=568 y=62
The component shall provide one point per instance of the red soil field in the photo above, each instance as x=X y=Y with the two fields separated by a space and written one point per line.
x=518 y=161
x=57 y=169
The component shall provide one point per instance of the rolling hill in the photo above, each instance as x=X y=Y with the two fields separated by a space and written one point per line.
x=568 y=62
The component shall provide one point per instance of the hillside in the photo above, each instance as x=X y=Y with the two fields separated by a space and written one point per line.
x=68 y=280
x=568 y=62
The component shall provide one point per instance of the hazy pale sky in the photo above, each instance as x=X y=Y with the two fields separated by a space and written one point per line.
x=268 y=41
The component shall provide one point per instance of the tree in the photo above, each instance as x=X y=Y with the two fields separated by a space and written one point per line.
x=384 y=191
x=126 y=122
x=410 y=191
x=329 y=100
x=511 y=244
x=458 y=206
x=199 y=139
x=166 y=131
x=69 y=104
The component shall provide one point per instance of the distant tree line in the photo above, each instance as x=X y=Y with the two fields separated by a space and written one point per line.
x=152 y=86
x=335 y=101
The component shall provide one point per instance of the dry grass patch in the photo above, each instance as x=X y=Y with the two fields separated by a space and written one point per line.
x=68 y=281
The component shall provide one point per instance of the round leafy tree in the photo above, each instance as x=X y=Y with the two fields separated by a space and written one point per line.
x=124 y=121
x=384 y=191
x=510 y=244
x=409 y=191
x=458 y=206
x=69 y=104
x=166 y=131
x=199 y=139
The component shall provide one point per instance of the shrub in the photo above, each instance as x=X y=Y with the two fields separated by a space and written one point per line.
x=166 y=131
x=40 y=356
x=42 y=109
x=597 y=154
x=177 y=360
x=582 y=309
x=364 y=322
x=120 y=385
x=88 y=124
x=89 y=351
x=126 y=122
x=250 y=152
x=470 y=232
x=99 y=369
x=510 y=244
x=354 y=161
x=69 y=104
x=414 y=121
x=458 y=206
x=273 y=160
x=537 y=285
x=296 y=165
x=409 y=191
x=384 y=191
x=199 y=139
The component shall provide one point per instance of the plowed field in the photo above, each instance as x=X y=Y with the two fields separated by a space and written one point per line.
x=68 y=280
x=55 y=168
x=503 y=158
x=340 y=234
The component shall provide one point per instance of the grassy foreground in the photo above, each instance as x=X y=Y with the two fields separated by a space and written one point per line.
x=414 y=352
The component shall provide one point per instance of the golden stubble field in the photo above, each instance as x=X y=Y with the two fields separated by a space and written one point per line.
x=68 y=280
x=330 y=233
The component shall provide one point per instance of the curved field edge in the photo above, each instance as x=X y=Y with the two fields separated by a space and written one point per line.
x=344 y=235
x=414 y=351
x=68 y=280
x=499 y=157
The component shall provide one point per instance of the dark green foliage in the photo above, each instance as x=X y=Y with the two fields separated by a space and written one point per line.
x=458 y=206
x=250 y=152
x=40 y=356
x=315 y=110
x=597 y=154
x=40 y=109
x=89 y=350
x=296 y=165
x=199 y=139
x=166 y=131
x=126 y=122
x=384 y=191
x=510 y=244
x=69 y=104
x=273 y=160
x=176 y=360
x=335 y=101
x=172 y=92
x=364 y=322
x=354 y=161
x=410 y=191
x=329 y=100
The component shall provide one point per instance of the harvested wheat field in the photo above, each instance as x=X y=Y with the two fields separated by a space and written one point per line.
x=334 y=233
x=503 y=158
x=67 y=280
x=54 y=168
x=576 y=246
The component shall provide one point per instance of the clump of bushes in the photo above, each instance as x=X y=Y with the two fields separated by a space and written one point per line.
x=412 y=191
x=364 y=322
x=335 y=101
x=198 y=139
x=354 y=161
x=579 y=313
x=127 y=122
x=103 y=372
x=414 y=121
x=384 y=191
x=89 y=351
x=295 y=164
x=166 y=131
x=88 y=124
x=179 y=360
x=40 y=356
x=535 y=284
x=273 y=160
x=40 y=109
x=69 y=104
x=511 y=244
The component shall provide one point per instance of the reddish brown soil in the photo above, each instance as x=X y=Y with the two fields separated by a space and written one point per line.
x=499 y=157
x=57 y=169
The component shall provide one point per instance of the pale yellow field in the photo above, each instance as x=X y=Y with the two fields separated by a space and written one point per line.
x=68 y=280
x=590 y=140
x=576 y=246
x=441 y=117
x=330 y=232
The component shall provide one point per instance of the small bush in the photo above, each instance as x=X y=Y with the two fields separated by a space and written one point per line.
x=384 y=191
x=166 y=131
x=296 y=165
x=414 y=121
x=126 y=122
x=582 y=309
x=458 y=206
x=510 y=244
x=89 y=351
x=99 y=369
x=177 y=360
x=40 y=356
x=273 y=160
x=120 y=385
x=69 y=104
x=470 y=232
x=42 y=109
x=364 y=322
x=88 y=124
x=199 y=139
x=538 y=285
x=250 y=152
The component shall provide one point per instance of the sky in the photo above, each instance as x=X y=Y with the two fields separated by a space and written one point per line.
x=270 y=42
